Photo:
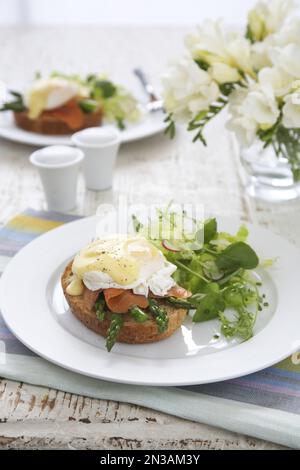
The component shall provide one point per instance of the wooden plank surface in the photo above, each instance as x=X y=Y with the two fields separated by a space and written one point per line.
x=35 y=417
x=149 y=171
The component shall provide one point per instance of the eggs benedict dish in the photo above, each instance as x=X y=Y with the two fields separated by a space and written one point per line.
x=120 y=285
x=64 y=104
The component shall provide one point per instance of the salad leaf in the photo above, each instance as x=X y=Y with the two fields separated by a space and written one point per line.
x=88 y=105
x=217 y=273
x=237 y=255
x=240 y=236
x=209 y=307
x=103 y=89
x=210 y=230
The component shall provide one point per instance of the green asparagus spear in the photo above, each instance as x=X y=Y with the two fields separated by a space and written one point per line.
x=99 y=307
x=160 y=314
x=184 y=303
x=113 y=330
x=139 y=315
x=17 y=106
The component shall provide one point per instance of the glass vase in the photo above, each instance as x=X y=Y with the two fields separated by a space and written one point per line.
x=268 y=177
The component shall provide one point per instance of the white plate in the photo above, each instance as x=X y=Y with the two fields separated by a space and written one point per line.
x=151 y=124
x=34 y=308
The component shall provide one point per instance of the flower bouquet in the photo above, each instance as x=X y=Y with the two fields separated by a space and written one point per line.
x=255 y=73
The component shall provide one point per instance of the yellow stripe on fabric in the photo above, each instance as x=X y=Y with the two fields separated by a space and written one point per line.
x=292 y=363
x=26 y=223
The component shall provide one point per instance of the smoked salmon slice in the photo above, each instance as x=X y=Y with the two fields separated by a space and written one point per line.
x=70 y=113
x=121 y=300
x=179 y=292
x=90 y=297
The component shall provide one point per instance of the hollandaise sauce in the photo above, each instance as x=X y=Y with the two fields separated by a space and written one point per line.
x=120 y=257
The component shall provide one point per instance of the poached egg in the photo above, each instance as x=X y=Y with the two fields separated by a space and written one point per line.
x=52 y=93
x=122 y=261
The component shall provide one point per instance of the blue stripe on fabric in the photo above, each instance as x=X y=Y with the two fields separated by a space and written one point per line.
x=8 y=234
x=53 y=216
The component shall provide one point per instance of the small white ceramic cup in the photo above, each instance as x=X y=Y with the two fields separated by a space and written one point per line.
x=58 y=167
x=100 y=146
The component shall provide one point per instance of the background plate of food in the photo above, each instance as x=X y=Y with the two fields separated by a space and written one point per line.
x=129 y=309
x=49 y=110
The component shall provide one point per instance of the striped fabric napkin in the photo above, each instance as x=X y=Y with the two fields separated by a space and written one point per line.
x=264 y=405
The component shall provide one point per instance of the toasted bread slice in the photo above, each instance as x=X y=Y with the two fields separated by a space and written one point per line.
x=132 y=332
x=52 y=125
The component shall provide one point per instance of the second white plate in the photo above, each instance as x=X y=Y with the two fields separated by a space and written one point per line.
x=151 y=124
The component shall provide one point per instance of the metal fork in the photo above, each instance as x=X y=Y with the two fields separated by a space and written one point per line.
x=154 y=103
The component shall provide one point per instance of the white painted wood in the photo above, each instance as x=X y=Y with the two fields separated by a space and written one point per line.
x=150 y=171
x=35 y=417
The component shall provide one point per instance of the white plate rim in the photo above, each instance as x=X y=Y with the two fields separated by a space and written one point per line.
x=148 y=128
x=93 y=362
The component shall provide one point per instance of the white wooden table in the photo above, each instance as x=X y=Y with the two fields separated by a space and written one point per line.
x=153 y=170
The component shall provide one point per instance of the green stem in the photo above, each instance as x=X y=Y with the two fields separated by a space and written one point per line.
x=183 y=266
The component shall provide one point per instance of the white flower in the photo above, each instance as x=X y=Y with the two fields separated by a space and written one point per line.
x=267 y=17
x=250 y=111
x=287 y=58
x=291 y=110
x=244 y=127
x=223 y=73
x=289 y=33
x=260 y=53
x=274 y=80
x=213 y=44
x=188 y=89
x=261 y=107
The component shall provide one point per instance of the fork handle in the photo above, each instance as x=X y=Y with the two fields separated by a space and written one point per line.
x=147 y=86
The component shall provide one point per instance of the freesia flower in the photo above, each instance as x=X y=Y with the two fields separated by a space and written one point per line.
x=274 y=80
x=212 y=44
x=260 y=53
x=261 y=107
x=291 y=108
x=267 y=17
x=224 y=73
x=250 y=111
x=188 y=89
x=288 y=34
x=243 y=126
x=287 y=58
